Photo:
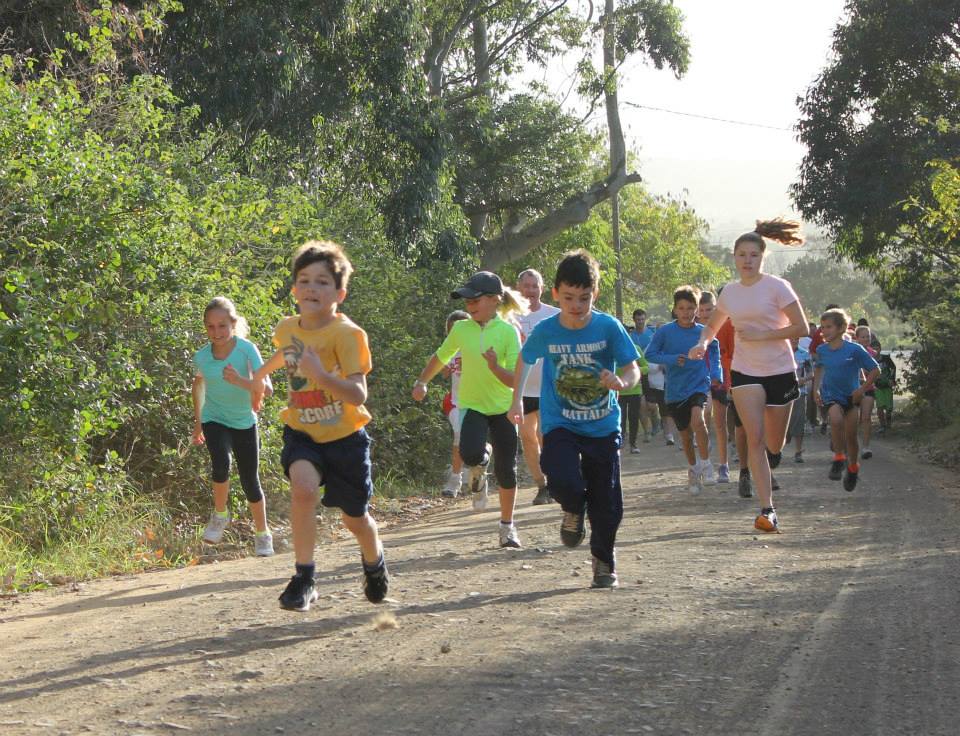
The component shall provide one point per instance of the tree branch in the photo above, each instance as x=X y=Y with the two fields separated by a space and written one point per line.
x=508 y=246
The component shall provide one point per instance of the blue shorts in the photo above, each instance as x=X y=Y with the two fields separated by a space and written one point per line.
x=343 y=465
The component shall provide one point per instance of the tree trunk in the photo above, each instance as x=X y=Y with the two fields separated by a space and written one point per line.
x=618 y=148
x=481 y=58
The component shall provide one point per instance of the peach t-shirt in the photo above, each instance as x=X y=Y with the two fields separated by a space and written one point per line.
x=759 y=307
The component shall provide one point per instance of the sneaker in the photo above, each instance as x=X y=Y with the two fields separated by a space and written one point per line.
x=744 y=486
x=299 y=594
x=215 y=527
x=867 y=454
x=646 y=437
x=774 y=483
x=823 y=428
x=542 y=497
x=670 y=440
x=707 y=474
x=572 y=528
x=655 y=429
x=375 y=582
x=694 y=481
x=477 y=486
x=604 y=575
x=263 y=545
x=836 y=470
x=509 y=536
x=774 y=459
x=850 y=480
x=767 y=521
x=798 y=457
x=452 y=487
x=723 y=473
x=634 y=450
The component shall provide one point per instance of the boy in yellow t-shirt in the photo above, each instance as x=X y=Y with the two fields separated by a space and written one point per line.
x=327 y=358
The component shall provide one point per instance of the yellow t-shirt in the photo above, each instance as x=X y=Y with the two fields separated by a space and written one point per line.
x=343 y=350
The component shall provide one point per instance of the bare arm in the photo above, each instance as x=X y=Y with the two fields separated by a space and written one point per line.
x=432 y=368
x=196 y=392
x=817 y=380
x=504 y=375
x=520 y=375
x=627 y=375
x=351 y=389
x=709 y=332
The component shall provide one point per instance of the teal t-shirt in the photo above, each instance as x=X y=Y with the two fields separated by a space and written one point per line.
x=480 y=389
x=225 y=403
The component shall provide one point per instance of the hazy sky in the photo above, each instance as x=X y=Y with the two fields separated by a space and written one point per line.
x=750 y=60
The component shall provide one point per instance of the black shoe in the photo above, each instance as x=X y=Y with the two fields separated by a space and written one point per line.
x=375 y=582
x=774 y=459
x=299 y=594
x=774 y=483
x=850 y=480
x=542 y=497
x=744 y=486
x=604 y=575
x=836 y=470
x=572 y=528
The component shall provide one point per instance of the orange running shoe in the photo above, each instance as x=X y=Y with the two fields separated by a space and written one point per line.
x=767 y=521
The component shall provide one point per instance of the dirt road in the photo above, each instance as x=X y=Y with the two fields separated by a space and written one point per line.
x=847 y=623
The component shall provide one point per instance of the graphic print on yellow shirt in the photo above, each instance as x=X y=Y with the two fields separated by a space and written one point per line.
x=342 y=348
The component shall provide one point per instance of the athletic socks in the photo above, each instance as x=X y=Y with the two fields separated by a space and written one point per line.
x=222 y=514
x=855 y=468
x=367 y=567
x=839 y=457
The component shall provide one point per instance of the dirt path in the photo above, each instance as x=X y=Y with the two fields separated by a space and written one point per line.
x=845 y=624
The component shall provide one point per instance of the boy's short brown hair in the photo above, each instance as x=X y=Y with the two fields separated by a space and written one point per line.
x=686 y=294
x=324 y=251
x=839 y=317
x=578 y=268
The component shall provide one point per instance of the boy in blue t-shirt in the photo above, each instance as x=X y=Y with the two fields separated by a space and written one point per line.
x=688 y=381
x=587 y=357
x=838 y=389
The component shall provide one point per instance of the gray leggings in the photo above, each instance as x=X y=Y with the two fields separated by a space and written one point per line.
x=245 y=444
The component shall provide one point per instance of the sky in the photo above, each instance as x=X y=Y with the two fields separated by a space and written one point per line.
x=750 y=60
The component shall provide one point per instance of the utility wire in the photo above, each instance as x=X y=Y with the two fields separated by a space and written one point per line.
x=707 y=117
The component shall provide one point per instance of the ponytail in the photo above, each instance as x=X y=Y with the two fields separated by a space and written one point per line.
x=512 y=303
x=786 y=232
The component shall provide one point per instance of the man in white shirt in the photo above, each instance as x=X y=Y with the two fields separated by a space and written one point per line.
x=530 y=284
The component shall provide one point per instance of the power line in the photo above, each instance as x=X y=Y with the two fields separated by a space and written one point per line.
x=708 y=117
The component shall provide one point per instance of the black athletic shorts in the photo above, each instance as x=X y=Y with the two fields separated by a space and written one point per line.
x=681 y=410
x=719 y=394
x=872 y=393
x=781 y=389
x=530 y=404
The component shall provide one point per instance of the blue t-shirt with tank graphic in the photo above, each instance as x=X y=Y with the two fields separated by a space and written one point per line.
x=571 y=395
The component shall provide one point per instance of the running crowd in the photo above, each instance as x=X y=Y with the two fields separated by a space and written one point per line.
x=568 y=383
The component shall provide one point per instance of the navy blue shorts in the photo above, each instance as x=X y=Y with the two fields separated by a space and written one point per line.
x=343 y=465
x=846 y=405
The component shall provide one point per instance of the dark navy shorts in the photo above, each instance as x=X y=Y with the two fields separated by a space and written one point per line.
x=343 y=465
x=531 y=404
x=846 y=405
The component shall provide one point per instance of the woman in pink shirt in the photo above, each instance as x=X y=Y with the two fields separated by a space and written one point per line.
x=766 y=314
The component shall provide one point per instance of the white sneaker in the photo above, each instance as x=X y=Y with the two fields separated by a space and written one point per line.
x=509 y=536
x=263 y=545
x=694 y=484
x=215 y=527
x=452 y=487
x=477 y=486
x=707 y=473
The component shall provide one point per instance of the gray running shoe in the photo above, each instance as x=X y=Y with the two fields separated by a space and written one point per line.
x=215 y=527
x=572 y=528
x=604 y=575
x=723 y=473
x=477 y=486
x=452 y=487
x=509 y=536
x=774 y=483
x=263 y=545
x=744 y=485
x=694 y=481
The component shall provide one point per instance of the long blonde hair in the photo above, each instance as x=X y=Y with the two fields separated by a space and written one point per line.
x=240 y=326
x=513 y=304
